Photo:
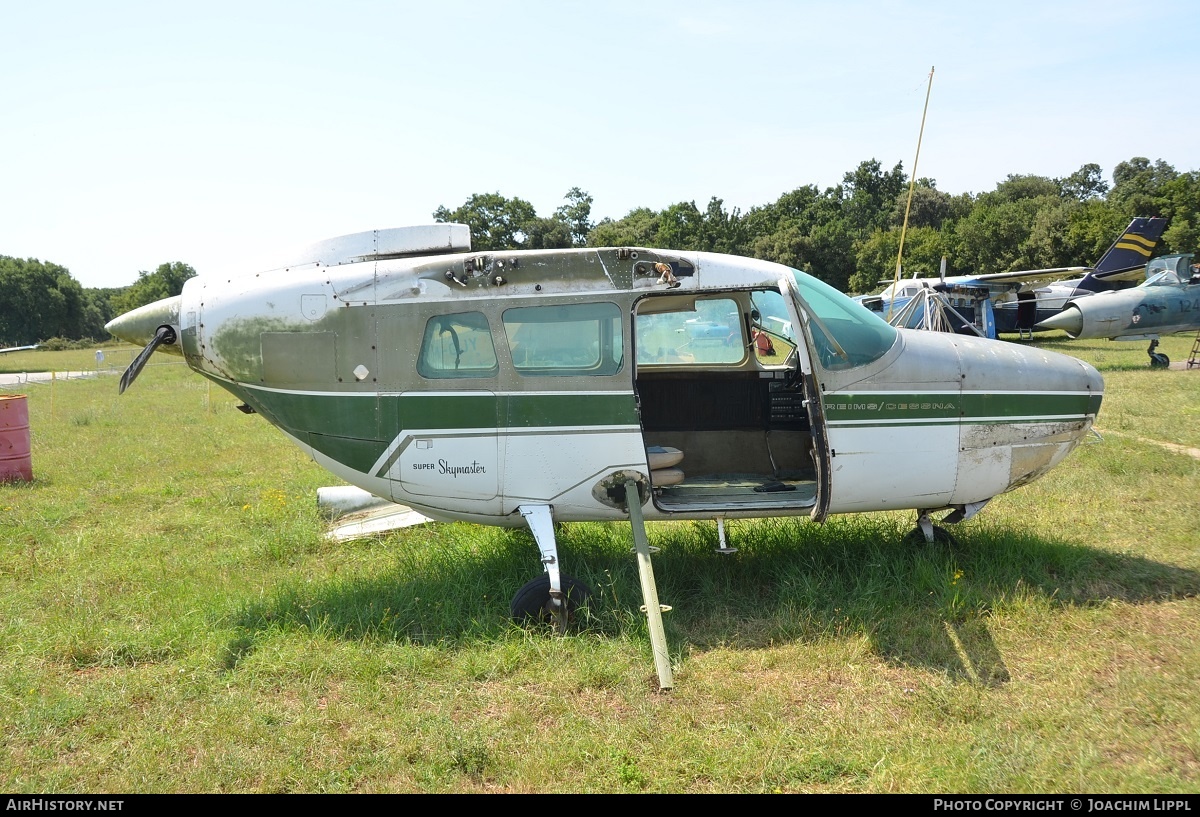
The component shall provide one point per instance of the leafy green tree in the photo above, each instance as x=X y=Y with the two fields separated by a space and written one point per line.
x=819 y=232
x=546 y=234
x=787 y=244
x=801 y=208
x=96 y=313
x=1085 y=184
x=496 y=222
x=637 y=229
x=875 y=260
x=681 y=227
x=1181 y=205
x=1017 y=188
x=831 y=253
x=165 y=282
x=1016 y=226
x=929 y=207
x=38 y=300
x=991 y=238
x=1139 y=186
x=722 y=230
x=1090 y=230
x=868 y=194
x=1046 y=244
x=849 y=235
x=577 y=215
x=500 y=223
x=782 y=231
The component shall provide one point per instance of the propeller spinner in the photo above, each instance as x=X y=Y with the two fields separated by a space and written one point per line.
x=154 y=325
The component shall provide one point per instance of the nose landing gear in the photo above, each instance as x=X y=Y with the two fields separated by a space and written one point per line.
x=1157 y=359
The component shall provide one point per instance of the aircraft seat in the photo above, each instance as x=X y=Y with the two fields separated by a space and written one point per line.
x=663 y=460
x=663 y=477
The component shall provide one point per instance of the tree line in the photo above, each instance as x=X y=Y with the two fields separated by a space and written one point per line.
x=40 y=302
x=849 y=235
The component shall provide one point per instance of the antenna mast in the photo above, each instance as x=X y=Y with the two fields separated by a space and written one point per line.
x=912 y=181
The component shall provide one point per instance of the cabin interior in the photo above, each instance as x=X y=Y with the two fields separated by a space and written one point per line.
x=724 y=422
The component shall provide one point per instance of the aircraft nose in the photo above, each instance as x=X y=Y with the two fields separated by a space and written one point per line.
x=140 y=325
x=1070 y=320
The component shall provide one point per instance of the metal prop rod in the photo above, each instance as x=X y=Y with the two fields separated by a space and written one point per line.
x=654 y=611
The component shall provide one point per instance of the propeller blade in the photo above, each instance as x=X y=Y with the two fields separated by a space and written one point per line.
x=165 y=334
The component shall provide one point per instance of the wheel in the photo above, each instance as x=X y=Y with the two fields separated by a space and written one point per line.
x=532 y=604
x=1159 y=361
x=941 y=536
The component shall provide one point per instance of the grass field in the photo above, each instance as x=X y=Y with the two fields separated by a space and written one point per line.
x=172 y=620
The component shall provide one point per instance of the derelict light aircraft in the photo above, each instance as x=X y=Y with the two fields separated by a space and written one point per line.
x=534 y=387
x=1018 y=301
x=1166 y=303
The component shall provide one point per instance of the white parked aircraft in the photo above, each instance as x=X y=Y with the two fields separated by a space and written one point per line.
x=533 y=387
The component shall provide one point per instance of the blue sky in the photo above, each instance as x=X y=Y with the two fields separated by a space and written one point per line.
x=225 y=134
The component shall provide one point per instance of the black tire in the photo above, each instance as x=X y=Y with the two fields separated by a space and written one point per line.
x=531 y=604
x=941 y=536
x=1159 y=361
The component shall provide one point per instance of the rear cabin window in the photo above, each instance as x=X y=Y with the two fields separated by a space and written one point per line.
x=565 y=340
x=457 y=346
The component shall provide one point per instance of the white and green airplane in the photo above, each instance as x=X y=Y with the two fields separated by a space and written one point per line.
x=534 y=387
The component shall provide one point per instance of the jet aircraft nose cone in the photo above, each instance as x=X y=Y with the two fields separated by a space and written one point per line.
x=1070 y=320
x=140 y=325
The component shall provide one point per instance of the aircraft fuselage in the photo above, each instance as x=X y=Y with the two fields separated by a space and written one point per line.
x=468 y=384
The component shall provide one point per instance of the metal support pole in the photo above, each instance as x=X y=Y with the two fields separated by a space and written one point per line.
x=654 y=611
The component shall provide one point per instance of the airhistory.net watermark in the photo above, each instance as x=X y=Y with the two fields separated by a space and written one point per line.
x=60 y=804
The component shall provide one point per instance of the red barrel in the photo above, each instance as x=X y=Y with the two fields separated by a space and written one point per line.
x=15 y=462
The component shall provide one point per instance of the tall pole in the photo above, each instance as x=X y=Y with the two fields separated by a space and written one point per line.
x=912 y=181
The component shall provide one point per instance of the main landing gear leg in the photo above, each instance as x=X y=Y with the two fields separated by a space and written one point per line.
x=552 y=597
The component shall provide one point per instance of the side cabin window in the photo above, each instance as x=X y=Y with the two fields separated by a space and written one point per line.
x=457 y=346
x=844 y=334
x=565 y=340
x=709 y=333
x=771 y=328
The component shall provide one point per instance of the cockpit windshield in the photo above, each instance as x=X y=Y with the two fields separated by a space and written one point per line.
x=1167 y=278
x=1169 y=270
x=844 y=333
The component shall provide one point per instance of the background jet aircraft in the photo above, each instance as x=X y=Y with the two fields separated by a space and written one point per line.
x=1016 y=301
x=1168 y=302
x=1121 y=267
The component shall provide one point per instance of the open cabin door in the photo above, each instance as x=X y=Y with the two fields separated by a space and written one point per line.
x=1026 y=311
x=722 y=406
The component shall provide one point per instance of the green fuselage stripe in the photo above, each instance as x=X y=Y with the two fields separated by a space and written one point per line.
x=356 y=429
x=970 y=407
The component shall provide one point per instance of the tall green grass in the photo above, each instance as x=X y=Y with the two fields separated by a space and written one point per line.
x=173 y=620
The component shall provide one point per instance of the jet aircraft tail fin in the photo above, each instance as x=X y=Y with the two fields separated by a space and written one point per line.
x=1126 y=258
